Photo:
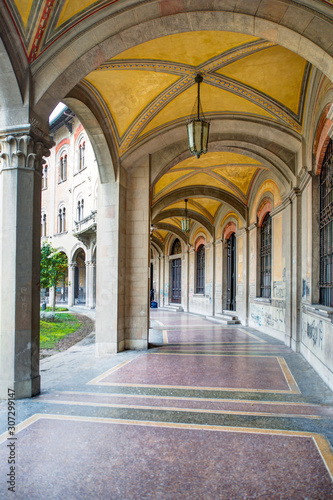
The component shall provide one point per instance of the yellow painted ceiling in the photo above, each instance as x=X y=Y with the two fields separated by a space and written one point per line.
x=231 y=172
x=127 y=92
x=204 y=206
x=24 y=7
x=72 y=8
x=213 y=100
x=193 y=48
x=152 y=85
x=276 y=71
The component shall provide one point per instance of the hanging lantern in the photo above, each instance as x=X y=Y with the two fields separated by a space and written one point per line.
x=186 y=223
x=197 y=127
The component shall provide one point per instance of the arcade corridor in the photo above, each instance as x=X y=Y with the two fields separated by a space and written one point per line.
x=208 y=412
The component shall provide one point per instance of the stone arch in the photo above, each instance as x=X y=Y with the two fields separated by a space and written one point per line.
x=75 y=250
x=200 y=191
x=179 y=212
x=107 y=41
x=323 y=135
x=274 y=149
x=11 y=94
x=98 y=136
x=264 y=208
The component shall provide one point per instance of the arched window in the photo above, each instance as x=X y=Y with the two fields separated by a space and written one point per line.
x=176 y=247
x=43 y=225
x=63 y=168
x=44 y=177
x=326 y=229
x=80 y=205
x=62 y=220
x=200 y=274
x=265 y=256
x=82 y=148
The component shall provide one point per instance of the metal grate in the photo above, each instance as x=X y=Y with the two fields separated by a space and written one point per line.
x=265 y=254
x=200 y=281
x=326 y=229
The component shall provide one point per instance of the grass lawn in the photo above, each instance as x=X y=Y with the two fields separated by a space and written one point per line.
x=49 y=308
x=52 y=331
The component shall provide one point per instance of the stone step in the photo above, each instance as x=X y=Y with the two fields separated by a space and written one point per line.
x=172 y=307
x=225 y=319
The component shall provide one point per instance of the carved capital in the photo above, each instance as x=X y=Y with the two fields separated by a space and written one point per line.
x=24 y=151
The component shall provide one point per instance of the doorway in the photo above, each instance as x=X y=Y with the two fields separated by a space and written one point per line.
x=231 y=273
x=176 y=280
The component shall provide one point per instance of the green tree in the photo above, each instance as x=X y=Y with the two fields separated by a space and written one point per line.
x=53 y=268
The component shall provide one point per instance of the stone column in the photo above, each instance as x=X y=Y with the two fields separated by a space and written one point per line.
x=187 y=285
x=110 y=276
x=241 y=279
x=161 y=290
x=296 y=269
x=20 y=193
x=218 y=277
x=137 y=256
x=71 y=288
x=90 y=269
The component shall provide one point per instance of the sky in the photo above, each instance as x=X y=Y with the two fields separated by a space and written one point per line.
x=57 y=110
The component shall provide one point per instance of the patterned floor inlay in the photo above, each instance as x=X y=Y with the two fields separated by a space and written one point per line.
x=205 y=372
x=171 y=403
x=212 y=335
x=104 y=458
x=214 y=412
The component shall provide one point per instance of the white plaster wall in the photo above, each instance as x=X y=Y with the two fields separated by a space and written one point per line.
x=267 y=318
x=317 y=344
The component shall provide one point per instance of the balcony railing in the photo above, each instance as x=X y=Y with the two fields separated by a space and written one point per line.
x=85 y=229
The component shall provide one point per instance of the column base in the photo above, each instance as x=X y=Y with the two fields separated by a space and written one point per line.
x=103 y=349
x=136 y=344
x=23 y=388
x=295 y=345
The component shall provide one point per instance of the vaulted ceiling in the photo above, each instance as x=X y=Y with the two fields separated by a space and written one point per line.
x=150 y=88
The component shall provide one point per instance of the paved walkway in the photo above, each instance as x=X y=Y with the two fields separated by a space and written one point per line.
x=208 y=412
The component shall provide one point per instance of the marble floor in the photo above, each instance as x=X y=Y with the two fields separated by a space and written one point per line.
x=208 y=412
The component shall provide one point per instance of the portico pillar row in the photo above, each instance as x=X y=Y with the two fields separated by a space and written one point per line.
x=20 y=187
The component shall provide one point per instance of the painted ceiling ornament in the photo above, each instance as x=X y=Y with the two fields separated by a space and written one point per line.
x=197 y=127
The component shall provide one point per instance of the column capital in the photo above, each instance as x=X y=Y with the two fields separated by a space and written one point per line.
x=22 y=150
x=90 y=263
x=71 y=266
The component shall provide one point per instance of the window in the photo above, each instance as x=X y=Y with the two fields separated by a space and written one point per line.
x=62 y=220
x=82 y=148
x=63 y=168
x=43 y=225
x=44 y=177
x=265 y=256
x=200 y=277
x=326 y=229
x=80 y=205
x=176 y=247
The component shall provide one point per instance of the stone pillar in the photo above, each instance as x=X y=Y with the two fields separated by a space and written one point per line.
x=214 y=276
x=71 y=278
x=187 y=285
x=218 y=277
x=90 y=268
x=110 y=276
x=162 y=272
x=52 y=292
x=20 y=193
x=241 y=279
x=137 y=256
x=296 y=269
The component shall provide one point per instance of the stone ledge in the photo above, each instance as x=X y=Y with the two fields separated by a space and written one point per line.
x=319 y=311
